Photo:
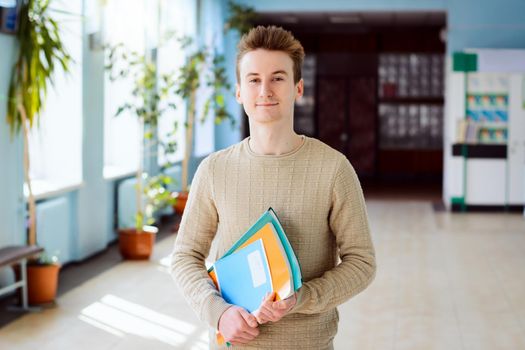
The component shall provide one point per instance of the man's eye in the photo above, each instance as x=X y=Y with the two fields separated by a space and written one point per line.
x=278 y=78
x=253 y=80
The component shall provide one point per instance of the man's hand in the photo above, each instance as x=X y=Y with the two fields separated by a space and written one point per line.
x=273 y=311
x=238 y=326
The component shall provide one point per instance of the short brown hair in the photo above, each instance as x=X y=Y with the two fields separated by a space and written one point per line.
x=272 y=38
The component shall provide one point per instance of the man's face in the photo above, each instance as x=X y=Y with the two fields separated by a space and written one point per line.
x=266 y=88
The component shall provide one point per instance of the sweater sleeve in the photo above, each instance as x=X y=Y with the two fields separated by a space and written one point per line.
x=349 y=223
x=197 y=230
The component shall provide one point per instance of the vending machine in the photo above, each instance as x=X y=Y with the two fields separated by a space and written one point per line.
x=484 y=138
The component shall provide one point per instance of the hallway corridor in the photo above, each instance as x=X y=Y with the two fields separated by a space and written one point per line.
x=444 y=281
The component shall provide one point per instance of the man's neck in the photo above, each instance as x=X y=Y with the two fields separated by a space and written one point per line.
x=270 y=141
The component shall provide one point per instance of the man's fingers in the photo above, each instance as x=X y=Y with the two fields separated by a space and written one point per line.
x=258 y=315
x=273 y=311
x=265 y=315
x=284 y=304
x=249 y=318
x=244 y=337
x=249 y=331
x=238 y=326
x=269 y=314
x=269 y=297
x=238 y=341
x=269 y=309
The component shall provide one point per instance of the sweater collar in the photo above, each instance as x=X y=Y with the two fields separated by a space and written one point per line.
x=247 y=150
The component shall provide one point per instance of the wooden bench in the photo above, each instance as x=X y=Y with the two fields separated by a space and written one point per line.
x=13 y=255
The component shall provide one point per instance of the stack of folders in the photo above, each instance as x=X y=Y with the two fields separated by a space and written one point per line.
x=262 y=261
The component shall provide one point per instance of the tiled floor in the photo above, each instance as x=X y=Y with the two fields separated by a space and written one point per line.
x=444 y=282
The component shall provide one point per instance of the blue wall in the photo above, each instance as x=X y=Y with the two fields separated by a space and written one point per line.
x=11 y=166
x=225 y=133
x=95 y=211
x=56 y=229
x=11 y=155
x=486 y=24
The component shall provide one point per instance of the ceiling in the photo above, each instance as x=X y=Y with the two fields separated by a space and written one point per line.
x=356 y=19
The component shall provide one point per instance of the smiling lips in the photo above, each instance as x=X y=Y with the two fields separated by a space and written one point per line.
x=267 y=104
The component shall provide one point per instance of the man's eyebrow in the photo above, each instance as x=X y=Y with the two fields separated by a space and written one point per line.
x=276 y=72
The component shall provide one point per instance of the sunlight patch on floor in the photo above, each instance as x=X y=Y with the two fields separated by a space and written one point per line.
x=119 y=317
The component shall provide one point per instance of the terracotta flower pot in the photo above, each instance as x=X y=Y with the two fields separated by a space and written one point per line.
x=180 y=203
x=42 y=283
x=136 y=246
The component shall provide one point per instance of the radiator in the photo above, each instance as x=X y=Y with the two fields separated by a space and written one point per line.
x=126 y=203
x=53 y=227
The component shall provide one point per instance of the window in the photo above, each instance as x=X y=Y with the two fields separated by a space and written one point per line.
x=55 y=144
x=210 y=29
x=124 y=23
x=176 y=18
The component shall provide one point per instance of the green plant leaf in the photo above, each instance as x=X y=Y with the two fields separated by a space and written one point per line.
x=40 y=47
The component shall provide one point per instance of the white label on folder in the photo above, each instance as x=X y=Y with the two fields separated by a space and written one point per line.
x=256 y=268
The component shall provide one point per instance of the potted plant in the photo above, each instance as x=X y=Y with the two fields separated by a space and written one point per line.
x=42 y=279
x=149 y=100
x=202 y=66
x=135 y=243
x=40 y=52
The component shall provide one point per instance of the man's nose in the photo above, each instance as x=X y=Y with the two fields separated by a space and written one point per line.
x=265 y=90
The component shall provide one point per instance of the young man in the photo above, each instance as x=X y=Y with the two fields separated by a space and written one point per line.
x=314 y=191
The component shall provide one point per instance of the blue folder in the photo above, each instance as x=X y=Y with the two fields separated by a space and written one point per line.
x=244 y=277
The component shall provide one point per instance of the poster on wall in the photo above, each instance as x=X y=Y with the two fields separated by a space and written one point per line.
x=9 y=20
x=487 y=108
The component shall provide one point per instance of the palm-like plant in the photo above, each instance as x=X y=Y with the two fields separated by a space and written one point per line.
x=149 y=100
x=202 y=66
x=40 y=51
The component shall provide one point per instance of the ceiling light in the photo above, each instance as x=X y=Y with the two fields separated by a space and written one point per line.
x=345 y=19
x=290 y=19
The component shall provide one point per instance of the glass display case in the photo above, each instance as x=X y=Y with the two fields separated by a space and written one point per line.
x=410 y=106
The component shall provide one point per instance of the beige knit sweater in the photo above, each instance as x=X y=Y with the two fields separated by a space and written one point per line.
x=317 y=196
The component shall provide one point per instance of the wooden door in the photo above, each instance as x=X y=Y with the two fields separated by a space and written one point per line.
x=346 y=119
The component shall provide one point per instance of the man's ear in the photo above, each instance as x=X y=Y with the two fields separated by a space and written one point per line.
x=299 y=88
x=238 y=93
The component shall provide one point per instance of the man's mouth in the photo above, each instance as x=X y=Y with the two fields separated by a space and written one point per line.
x=267 y=104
